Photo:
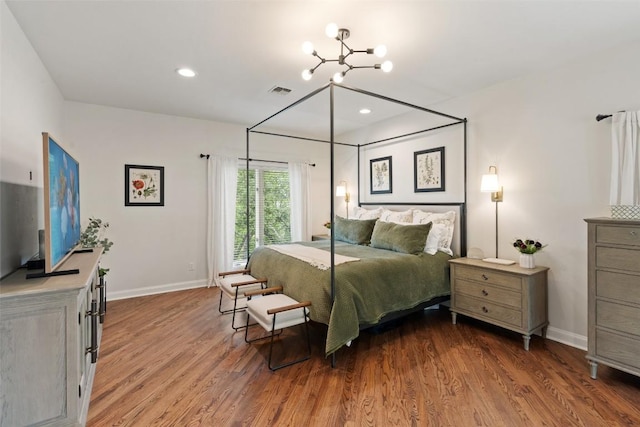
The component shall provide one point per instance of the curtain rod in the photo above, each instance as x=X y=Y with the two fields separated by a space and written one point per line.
x=600 y=117
x=258 y=160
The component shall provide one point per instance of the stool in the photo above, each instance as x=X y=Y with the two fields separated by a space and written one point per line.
x=234 y=284
x=274 y=311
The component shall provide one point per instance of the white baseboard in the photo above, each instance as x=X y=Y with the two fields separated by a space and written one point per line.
x=152 y=290
x=566 y=337
x=554 y=334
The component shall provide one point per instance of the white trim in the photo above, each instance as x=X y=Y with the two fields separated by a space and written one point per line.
x=153 y=290
x=568 y=338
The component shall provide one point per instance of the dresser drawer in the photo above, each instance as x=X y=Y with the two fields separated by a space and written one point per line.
x=488 y=292
x=619 y=317
x=618 y=258
x=618 y=348
x=618 y=235
x=620 y=286
x=489 y=310
x=487 y=276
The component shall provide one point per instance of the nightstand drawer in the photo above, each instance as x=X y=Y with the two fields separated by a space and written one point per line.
x=619 y=317
x=618 y=258
x=490 y=293
x=618 y=235
x=618 y=348
x=620 y=286
x=488 y=276
x=489 y=310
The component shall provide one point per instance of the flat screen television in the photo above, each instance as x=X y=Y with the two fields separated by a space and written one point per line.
x=61 y=203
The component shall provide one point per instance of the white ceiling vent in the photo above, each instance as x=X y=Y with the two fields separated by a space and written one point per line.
x=279 y=90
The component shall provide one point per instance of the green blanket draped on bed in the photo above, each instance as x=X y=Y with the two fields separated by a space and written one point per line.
x=379 y=283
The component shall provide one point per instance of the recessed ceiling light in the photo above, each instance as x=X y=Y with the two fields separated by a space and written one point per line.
x=186 y=72
x=365 y=111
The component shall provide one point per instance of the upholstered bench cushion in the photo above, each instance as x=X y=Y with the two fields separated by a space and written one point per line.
x=257 y=308
x=227 y=282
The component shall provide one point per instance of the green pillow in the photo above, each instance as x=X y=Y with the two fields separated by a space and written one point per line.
x=408 y=239
x=356 y=231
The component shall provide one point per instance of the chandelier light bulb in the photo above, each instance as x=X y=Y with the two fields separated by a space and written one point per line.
x=380 y=51
x=387 y=66
x=307 y=74
x=331 y=30
x=307 y=48
x=338 y=77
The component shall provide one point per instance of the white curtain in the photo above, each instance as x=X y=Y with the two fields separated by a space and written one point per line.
x=222 y=180
x=625 y=159
x=300 y=202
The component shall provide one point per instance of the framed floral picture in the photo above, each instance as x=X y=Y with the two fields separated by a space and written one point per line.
x=143 y=185
x=380 y=174
x=428 y=170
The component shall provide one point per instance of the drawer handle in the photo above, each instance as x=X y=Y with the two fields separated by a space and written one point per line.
x=484 y=309
x=633 y=233
x=485 y=277
x=485 y=293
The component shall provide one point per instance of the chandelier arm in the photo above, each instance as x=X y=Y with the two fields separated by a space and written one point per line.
x=366 y=66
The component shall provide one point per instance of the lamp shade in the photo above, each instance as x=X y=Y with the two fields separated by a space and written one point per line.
x=489 y=183
x=341 y=190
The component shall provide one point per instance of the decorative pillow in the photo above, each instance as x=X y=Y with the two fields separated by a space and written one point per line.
x=405 y=217
x=362 y=213
x=356 y=231
x=447 y=219
x=408 y=239
x=433 y=238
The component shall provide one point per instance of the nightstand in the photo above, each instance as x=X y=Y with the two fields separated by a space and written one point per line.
x=508 y=296
x=320 y=237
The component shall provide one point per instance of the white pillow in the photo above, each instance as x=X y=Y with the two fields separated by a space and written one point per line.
x=446 y=219
x=362 y=213
x=405 y=217
x=433 y=238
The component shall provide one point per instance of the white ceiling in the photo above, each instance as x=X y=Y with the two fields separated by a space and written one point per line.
x=124 y=53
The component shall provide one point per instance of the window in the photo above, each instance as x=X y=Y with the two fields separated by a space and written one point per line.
x=269 y=210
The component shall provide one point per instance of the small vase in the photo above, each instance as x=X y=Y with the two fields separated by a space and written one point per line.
x=527 y=261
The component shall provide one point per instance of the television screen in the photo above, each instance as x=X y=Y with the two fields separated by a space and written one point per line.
x=61 y=204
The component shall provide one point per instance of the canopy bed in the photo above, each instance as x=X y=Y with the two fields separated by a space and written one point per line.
x=365 y=281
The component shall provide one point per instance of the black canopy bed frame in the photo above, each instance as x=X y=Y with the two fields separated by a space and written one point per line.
x=460 y=205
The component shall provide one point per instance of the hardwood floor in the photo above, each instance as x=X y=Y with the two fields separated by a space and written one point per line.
x=173 y=360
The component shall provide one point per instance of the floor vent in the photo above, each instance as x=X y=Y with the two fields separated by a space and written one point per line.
x=279 y=90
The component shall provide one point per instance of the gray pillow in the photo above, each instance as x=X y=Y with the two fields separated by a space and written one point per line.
x=408 y=239
x=356 y=231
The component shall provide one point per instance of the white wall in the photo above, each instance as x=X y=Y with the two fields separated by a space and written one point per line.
x=153 y=246
x=30 y=103
x=553 y=160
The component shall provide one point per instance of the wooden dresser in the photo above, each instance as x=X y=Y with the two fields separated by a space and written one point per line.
x=614 y=294
x=509 y=296
x=49 y=337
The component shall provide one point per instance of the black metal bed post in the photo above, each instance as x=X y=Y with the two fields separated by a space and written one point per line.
x=358 y=160
x=248 y=233
x=333 y=240
x=463 y=213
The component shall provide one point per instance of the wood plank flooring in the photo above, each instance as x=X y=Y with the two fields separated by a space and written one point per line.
x=173 y=360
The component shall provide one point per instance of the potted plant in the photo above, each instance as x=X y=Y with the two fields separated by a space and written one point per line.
x=92 y=237
x=527 y=248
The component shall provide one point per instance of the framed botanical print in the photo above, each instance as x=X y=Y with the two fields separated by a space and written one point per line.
x=143 y=185
x=380 y=174
x=428 y=170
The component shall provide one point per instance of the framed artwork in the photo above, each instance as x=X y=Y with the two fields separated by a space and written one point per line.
x=143 y=185
x=380 y=174
x=428 y=170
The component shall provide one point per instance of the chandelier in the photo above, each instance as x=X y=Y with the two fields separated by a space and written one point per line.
x=341 y=34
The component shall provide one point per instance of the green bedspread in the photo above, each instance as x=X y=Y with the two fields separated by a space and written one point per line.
x=380 y=282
